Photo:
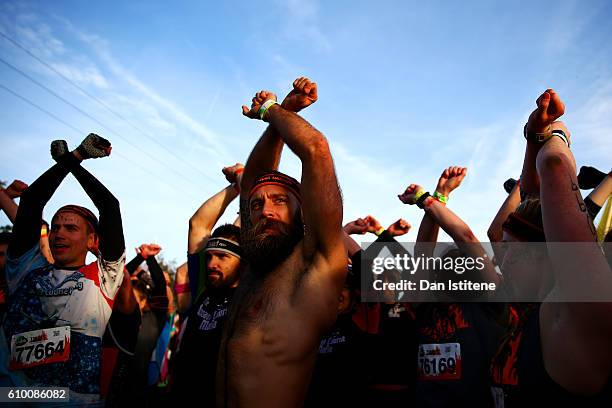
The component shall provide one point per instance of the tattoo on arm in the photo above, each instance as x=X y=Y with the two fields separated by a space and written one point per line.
x=245 y=219
x=582 y=207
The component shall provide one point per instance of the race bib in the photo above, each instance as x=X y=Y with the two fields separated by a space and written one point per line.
x=439 y=361
x=38 y=347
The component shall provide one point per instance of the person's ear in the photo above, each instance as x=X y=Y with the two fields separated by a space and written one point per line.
x=93 y=242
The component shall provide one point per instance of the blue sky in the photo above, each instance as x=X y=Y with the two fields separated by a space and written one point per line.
x=406 y=89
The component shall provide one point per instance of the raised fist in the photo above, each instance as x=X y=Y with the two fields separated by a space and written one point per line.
x=550 y=108
x=372 y=223
x=450 y=179
x=232 y=172
x=58 y=149
x=304 y=94
x=399 y=227
x=15 y=189
x=409 y=196
x=256 y=102
x=93 y=147
x=147 y=250
x=358 y=226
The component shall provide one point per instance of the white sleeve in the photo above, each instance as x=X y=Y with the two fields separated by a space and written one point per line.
x=111 y=275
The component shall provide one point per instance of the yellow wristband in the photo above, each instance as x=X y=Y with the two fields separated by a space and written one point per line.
x=418 y=195
x=380 y=231
x=265 y=106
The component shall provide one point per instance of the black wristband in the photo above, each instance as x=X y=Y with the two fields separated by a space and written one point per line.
x=422 y=199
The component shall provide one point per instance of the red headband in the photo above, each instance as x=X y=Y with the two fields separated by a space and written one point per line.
x=277 y=178
x=91 y=219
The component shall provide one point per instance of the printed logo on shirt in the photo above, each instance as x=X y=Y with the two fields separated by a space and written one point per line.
x=209 y=321
x=327 y=343
x=45 y=288
x=446 y=322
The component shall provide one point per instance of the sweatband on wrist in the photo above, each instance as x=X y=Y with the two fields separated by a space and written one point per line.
x=380 y=231
x=181 y=288
x=223 y=245
x=265 y=106
x=562 y=136
x=418 y=194
x=422 y=199
x=440 y=197
x=538 y=138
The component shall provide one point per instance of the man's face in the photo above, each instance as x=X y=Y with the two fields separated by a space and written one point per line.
x=222 y=269
x=276 y=227
x=271 y=206
x=70 y=239
x=3 y=249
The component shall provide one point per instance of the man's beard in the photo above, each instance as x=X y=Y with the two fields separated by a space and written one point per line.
x=265 y=251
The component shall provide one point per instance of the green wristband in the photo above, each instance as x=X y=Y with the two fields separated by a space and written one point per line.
x=440 y=197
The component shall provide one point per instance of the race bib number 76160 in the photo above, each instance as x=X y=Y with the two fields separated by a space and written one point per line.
x=38 y=347
x=439 y=361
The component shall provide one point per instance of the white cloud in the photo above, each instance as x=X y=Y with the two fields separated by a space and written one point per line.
x=84 y=76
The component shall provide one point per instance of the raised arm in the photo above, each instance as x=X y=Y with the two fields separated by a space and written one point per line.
x=159 y=294
x=454 y=226
x=321 y=200
x=357 y=226
x=512 y=201
x=26 y=229
x=267 y=152
x=181 y=288
x=110 y=226
x=7 y=196
x=204 y=219
x=427 y=236
x=597 y=198
x=550 y=108
x=581 y=270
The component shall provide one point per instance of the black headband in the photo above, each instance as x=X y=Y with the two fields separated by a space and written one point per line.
x=523 y=229
x=223 y=245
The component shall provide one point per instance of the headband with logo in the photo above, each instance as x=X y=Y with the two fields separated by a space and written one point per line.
x=90 y=217
x=279 y=179
x=223 y=245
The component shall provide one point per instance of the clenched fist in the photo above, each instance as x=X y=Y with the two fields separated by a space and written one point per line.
x=304 y=94
x=450 y=179
x=409 y=195
x=399 y=227
x=550 y=108
x=258 y=100
x=15 y=189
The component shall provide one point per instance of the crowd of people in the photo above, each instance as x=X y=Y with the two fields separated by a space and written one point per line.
x=269 y=311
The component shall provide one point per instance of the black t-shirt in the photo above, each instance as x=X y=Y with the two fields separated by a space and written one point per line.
x=456 y=342
x=395 y=345
x=196 y=360
x=342 y=368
